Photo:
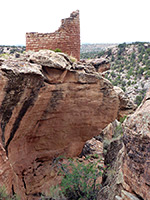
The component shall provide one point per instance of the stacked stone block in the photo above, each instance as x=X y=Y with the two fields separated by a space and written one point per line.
x=66 y=38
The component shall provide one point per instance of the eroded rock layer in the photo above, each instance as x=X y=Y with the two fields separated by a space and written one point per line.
x=48 y=109
x=136 y=166
x=128 y=157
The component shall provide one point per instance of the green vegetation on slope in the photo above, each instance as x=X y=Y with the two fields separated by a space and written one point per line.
x=130 y=68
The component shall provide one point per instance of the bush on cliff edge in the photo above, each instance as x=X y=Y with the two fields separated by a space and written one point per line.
x=79 y=181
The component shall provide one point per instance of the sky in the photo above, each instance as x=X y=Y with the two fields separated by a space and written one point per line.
x=101 y=21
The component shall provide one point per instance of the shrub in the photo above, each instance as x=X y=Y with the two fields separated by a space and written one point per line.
x=120 y=57
x=129 y=82
x=12 y=51
x=56 y=50
x=112 y=58
x=128 y=67
x=123 y=83
x=141 y=49
x=118 y=131
x=115 y=82
x=5 y=196
x=55 y=194
x=136 y=87
x=138 y=100
x=123 y=45
x=122 y=119
x=4 y=55
x=133 y=56
x=73 y=59
x=80 y=180
x=146 y=57
x=142 y=85
x=128 y=76
x=101 y=53
x=140 y=57
x=120 y=70
x=148 y=51
x=109 y=52
x=113 y=74
x=133 y=82
x=143 y=92
x=123 y=88
x=148 y=63
x=147 y=75
x=140 y=71
x=130 y=72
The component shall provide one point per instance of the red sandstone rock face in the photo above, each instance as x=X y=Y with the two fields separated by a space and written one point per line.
x=48 y=109
x=127 y=175
x=126 y=106
x=6 y=171
x=66 y=38
x=136 y=166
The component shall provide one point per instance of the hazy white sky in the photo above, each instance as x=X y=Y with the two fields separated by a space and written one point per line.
x=102 y=21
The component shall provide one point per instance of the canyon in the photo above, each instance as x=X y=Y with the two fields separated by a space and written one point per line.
x=52 y=106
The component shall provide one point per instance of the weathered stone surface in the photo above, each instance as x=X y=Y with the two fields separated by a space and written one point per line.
x=49 y=58
x=113 y=177
x=113 y=129
x=101 y=65
x=126 y=106
x=128 y=159
x=49 y=109
x=1 y=61
x=126 y=196
x=21 y=67
x=93 y=146
x=137 y=150
x=6 y=171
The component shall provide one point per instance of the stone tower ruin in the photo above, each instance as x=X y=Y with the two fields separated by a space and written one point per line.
x=66 y=38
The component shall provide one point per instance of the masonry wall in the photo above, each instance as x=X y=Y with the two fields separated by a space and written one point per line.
x=66 y=38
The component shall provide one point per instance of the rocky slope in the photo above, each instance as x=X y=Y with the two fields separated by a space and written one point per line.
x=91 y=50
x=7 y=50
x=49 y=107
x=130 y=68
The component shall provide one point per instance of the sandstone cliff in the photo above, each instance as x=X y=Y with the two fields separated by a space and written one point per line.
x=49 y=107
x=128 y=157
x=137 y=150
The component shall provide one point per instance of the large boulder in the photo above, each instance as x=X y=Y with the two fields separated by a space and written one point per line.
x=48 y=109
x=101 y=64
x=126 y=105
